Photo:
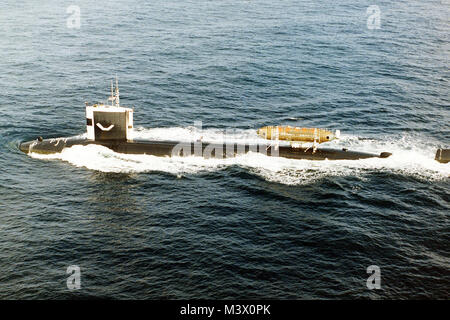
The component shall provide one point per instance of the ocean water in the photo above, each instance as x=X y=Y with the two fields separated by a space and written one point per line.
x=143 y=227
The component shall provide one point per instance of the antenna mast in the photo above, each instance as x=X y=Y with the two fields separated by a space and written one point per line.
x=115 y=100
x=112 y=94
x=117 y=93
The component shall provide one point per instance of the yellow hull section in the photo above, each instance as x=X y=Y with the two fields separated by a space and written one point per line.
x=289 y=133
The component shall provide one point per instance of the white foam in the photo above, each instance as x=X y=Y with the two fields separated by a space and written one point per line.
x=190 y=134
x=411 y=157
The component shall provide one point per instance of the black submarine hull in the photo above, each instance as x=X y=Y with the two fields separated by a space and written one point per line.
x=207 y=150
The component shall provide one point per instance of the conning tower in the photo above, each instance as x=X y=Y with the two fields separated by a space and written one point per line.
x=109 y=122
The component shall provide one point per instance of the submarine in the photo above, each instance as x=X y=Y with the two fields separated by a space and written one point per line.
x=111 y=125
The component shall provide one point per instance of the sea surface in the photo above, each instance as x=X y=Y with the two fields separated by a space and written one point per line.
x=143 y=227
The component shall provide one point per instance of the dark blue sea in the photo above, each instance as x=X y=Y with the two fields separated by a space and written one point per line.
x=143 y=227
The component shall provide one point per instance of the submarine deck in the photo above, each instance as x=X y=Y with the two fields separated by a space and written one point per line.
x=207 y=150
